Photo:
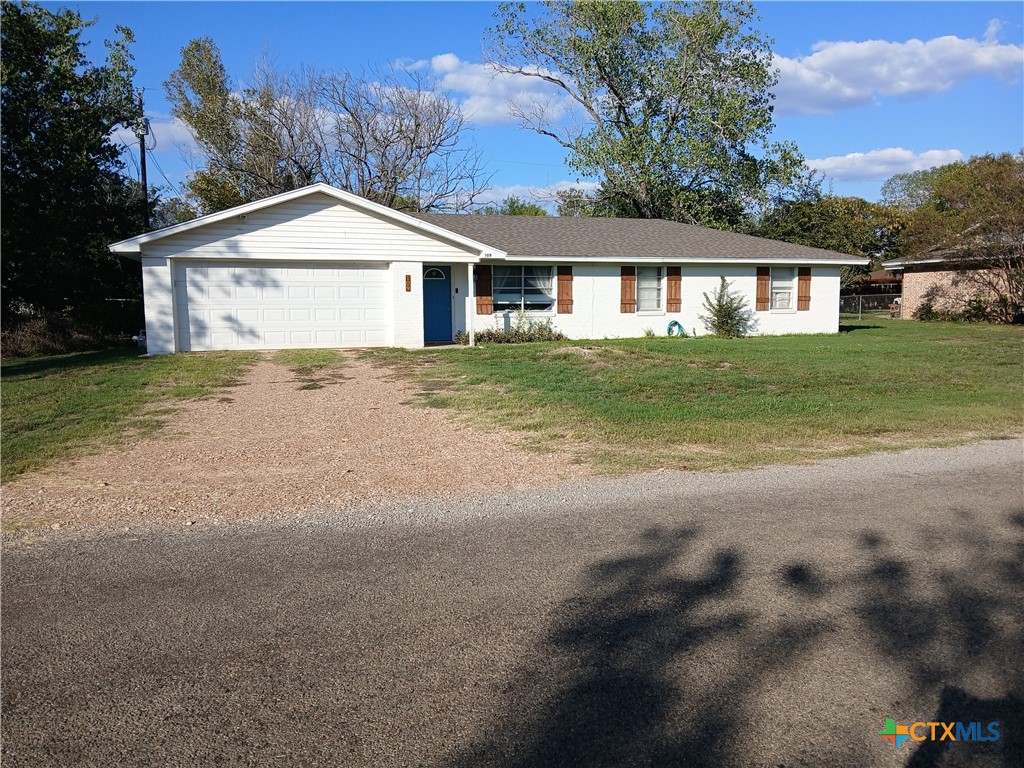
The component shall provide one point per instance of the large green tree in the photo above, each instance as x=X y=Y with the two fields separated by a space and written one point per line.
x=258 y=140
x=845 y=224
x=64 y=196
x=393 y=136
x=669 y=104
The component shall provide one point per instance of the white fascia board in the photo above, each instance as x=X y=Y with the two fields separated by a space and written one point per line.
x=899 y=264
x=134 y=244
x=852 y=261
x=312 y=254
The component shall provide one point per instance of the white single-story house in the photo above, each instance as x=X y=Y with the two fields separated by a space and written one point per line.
x=320 y=267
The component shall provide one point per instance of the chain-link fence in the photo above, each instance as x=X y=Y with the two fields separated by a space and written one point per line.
x=858 y=305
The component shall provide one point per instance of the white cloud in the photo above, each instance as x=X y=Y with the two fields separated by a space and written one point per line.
x=486 y=94
x=165 y=134
x=843 y=75
x=882 y=163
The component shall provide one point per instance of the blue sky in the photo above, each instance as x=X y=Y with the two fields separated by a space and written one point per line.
x=867 y=89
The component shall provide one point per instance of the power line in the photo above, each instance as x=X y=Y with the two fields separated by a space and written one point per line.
x=174 y=187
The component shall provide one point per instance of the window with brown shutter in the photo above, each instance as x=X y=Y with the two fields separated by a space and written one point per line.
x=628 y=292
x=674 y=278
x=803 y=289
x=565 y=290
x=484 y=299
x=764 y=281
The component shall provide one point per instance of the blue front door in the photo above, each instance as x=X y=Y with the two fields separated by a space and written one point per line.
x=437 y=304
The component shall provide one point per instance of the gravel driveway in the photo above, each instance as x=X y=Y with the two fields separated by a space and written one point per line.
x=267 y=448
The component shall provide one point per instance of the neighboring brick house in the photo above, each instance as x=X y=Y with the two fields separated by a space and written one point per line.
x=948 y=285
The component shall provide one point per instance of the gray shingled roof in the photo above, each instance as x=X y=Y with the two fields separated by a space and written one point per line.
x=555 y=236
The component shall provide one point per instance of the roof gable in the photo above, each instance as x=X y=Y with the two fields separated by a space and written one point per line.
x=133 y=245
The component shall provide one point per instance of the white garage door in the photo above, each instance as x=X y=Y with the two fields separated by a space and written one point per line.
x=276 y=306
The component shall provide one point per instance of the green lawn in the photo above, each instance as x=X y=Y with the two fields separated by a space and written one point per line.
x=715 y=404
x=58 y=407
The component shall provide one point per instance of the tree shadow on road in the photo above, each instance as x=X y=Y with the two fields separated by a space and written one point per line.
x=615 y=654
x=950 y=627
x=665 y=655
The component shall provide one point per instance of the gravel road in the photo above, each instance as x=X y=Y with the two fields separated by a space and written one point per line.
x=765 y=618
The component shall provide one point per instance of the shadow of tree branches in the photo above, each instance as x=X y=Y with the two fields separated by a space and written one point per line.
x=614 y=653
x=664 y=654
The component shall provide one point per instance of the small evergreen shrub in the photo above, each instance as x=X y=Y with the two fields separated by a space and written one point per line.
x=524 y=329
x=728 y=314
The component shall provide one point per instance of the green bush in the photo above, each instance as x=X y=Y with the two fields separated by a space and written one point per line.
x=54 y=335
x=728 y=315
x=977 y=311
x=524 y=329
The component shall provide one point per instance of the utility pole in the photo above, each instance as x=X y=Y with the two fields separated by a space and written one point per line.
x=141 y=131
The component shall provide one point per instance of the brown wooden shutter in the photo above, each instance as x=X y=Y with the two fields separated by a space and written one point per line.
x=628 y=300
x=674 y=301
x=764 y=283
x=565 y=290
x=484 y=297
x=803 y=292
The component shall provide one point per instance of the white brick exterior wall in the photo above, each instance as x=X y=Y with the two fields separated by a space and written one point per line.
x=596 y=304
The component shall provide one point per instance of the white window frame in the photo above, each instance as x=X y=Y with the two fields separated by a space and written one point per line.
x=778 y=285
x=660 y=309
x=510 y=303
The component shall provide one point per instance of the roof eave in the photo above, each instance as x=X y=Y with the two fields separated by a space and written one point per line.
x=853 y=261
x=133 y=245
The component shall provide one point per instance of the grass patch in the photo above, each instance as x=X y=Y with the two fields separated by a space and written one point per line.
x=58 y=407
x=713 y=404
x=314 y=368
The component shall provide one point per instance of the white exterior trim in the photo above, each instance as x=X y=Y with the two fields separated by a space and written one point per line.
x=853 y=261
x=900 y=264
x=133 y=245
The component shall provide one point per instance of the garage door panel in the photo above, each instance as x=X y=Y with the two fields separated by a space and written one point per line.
x=242 y=307
x=272 y=292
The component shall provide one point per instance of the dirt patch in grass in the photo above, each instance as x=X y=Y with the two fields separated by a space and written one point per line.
x=585 y=352
x=313 y=368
